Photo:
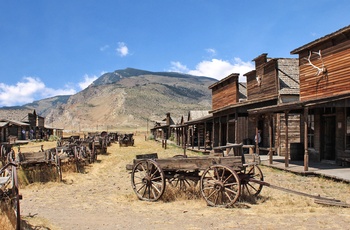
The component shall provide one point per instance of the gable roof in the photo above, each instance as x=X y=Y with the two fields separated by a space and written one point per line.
x=195 y=114
x=341 y=32
x=288 y=74
x=18 y=123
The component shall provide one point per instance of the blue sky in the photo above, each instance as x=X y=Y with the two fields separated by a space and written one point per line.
x=50 y=48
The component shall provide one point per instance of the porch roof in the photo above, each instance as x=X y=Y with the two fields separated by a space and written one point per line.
x=200 y=119
x=244 y=104
x=297 y=106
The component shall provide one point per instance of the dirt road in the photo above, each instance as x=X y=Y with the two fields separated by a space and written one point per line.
x=102 y=198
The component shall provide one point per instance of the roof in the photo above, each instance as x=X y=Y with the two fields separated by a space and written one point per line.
x=195 y=114
x=246 y=104
x=200 y=119
x=288 y=74
x=3 y=123
x=19 y=123
x=242 y=88
x=15 y=114
x=322 y=39
x=232 y=75
x=297 y=105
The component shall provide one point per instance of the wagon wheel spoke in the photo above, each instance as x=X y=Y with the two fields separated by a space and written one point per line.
x=220 y=186
x=182 y=183
x=148 y=180
x=250 y=188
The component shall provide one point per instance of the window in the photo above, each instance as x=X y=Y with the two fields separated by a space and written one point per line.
x=347 y=140
x=311 y=131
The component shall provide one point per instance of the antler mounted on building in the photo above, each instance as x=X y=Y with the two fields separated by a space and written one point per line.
x=320 y=70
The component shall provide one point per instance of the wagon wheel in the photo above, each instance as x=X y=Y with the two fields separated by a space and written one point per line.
x=220 y=186
x=148 y=180
x=250 y=188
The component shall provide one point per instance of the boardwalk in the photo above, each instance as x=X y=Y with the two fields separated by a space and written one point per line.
x=324 y=169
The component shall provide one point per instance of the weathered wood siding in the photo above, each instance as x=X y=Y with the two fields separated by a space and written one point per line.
x=225 y=93
x=268 y=86
x=294 y=124
x=337 y=61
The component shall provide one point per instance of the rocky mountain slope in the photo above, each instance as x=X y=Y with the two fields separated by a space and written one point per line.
x=128 y=98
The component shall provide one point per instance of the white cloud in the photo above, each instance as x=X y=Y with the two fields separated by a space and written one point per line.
x=103 y=48
x=122 y=49
x=87 y=81
x=178 y=67
x=216 y=68
x=211 y=51
x=28 y=90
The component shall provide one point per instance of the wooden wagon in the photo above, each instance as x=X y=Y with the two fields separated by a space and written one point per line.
x=9 y=195
x=126 y=140
x=222 y=179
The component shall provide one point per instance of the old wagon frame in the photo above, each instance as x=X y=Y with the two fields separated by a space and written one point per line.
x=222 y=179
x=9 y=194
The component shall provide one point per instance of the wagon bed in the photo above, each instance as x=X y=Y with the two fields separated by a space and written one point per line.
x=222 y=179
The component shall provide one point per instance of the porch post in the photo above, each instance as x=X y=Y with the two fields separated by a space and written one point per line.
x=256 y=135
x=270 y=139
x=213 y=134
x=192 y=137
x=219 y=131
x=205 y=136
x=306 y=151
x=236 y=126
x=198 y=136
x=227 y=126
x=286 y=159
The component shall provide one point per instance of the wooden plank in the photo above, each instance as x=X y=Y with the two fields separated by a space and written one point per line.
x=147 y=156
x=332 y=203
x=191 y=163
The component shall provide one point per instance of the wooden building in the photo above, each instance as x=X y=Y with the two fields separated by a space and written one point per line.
x=12 y=130
x=324 y=103
x=23 y=120
x=325 y=95
x=274 y=81
x=199 y=130
x=162 y=129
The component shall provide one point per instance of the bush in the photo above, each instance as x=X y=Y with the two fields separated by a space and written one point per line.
x=54 y=138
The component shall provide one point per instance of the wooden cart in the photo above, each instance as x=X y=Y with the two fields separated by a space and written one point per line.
x=222 y=179
x=9 y=194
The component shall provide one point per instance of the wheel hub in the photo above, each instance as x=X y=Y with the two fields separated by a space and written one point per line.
x=146 y=180
x=219 y=186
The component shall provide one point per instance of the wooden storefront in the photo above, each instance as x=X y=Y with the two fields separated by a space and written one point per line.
x=274 y=81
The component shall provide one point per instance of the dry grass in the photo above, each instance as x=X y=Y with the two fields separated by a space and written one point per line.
x=109 y=183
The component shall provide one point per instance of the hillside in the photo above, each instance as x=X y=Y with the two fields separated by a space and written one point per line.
x=128 y=98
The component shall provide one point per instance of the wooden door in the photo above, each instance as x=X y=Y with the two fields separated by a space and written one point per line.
x=328 y=138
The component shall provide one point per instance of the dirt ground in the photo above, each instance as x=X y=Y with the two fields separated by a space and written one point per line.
x=102 y=198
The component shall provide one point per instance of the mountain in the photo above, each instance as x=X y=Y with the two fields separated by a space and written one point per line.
x=128 y=98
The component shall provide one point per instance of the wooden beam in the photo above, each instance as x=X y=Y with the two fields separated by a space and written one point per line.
x=256 y=134
x=270 y=138
x=205 y=136
x=236 y=126
x=286 y=159
x=227 y=127
x=306 y=151
x=220 y=132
